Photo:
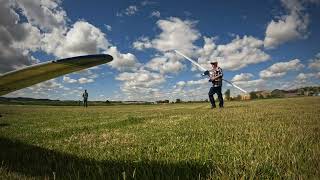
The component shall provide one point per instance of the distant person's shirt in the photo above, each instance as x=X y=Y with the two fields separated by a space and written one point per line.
x=215 y=72
x=85 y=96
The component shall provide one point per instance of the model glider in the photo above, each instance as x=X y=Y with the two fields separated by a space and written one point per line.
x=28 y=76
x=202 y=68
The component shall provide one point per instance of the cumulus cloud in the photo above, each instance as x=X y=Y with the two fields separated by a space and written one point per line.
x=122 y=62
x=175 y=34
x=142 y=43
x=237 y=54
x=242 y=77
x=288 y=27
x=168 y=63
x=83 y=38
x=315 y=63
x=305 y=76
x=252 y=85
x=67 y=79
x=46 y=14
x=84 y=80
x=16 y=39
x=141 y=84
x=280 y=69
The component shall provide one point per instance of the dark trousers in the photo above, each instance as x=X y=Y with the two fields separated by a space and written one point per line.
x=212 y=91
x=85 y=103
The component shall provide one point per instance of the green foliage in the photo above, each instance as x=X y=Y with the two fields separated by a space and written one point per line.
x=277 y=93
x=253 y=95
x=227 y=94
x=267 y=139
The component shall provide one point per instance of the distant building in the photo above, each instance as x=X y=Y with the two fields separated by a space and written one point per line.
x=245 y=97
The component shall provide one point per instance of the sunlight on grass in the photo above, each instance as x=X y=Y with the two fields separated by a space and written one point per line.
x=276 y=138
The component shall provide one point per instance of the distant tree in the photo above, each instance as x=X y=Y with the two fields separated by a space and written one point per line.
x=277 y=93
x=253 y=95
x=227 y=94
x=238 y=98
x=301 y=92
x=107 y=101
x=206 y=100
x=260 y=96
x=178 y=100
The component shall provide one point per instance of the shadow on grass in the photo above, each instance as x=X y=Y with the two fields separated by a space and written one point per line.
x=34 y=161
x=4 y=124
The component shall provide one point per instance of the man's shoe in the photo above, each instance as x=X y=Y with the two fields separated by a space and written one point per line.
x=212 y=107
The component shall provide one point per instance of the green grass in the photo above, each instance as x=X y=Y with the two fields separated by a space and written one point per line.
x=276 y=138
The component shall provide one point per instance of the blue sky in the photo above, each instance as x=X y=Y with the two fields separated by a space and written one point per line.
x=266 y=45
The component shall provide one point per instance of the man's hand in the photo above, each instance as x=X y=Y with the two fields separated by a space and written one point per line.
x=206 y=73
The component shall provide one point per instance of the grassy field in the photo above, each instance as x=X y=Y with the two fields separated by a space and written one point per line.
x=276 y=138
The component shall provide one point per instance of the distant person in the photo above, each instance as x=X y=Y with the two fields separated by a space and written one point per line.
x=85 y=96
x=215 y=75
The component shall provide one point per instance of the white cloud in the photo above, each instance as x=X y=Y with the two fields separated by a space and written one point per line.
x=252 y=85
x=242 y=77
x=237 y=54
x=181 y=83
x=197 y=82
x=142 y=43
x=168 y=63
x=280 y=69
x=288 y=27
x=315 y=63
x=67 y=79
x=31 y=41
x=176 y=34
x=122 y=62
x=304 y=77
x=155 y=14
x=16 y=40
x=141 y=84
x=84 y=80
x=83 y=38
x=46 y=14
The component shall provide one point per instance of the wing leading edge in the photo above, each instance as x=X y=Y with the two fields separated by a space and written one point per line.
x=34 y=74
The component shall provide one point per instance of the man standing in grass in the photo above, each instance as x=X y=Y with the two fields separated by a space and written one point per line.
x=216 y=75
x=85 y=98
